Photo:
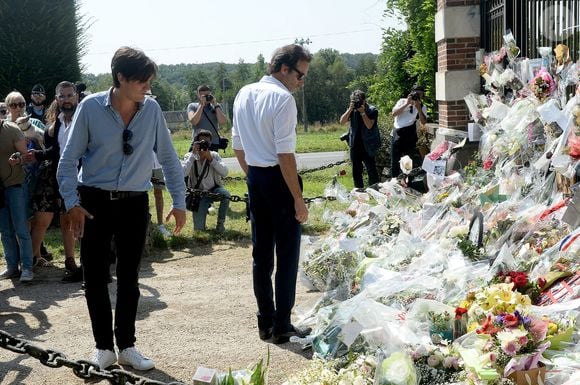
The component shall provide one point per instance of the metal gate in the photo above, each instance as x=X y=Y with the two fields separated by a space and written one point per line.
x=534 y=23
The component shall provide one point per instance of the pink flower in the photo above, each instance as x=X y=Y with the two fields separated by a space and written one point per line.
x=523 y=340
x=433 y=361
x=510 y=348
x=492 y=357
x=538 y=329
x=511 y=321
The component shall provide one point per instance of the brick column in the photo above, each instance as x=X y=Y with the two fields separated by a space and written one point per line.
x=457 y=33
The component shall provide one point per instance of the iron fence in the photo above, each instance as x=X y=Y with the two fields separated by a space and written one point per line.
x=534 y=23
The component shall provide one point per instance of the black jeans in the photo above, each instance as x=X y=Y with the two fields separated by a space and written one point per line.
x=127 y=219
x=358 y=157
x=274 y=227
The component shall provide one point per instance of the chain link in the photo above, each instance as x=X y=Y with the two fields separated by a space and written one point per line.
x=236 y=198
x=86 y=370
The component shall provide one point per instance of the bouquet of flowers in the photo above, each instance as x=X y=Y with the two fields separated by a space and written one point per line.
x=496 y=299
x=437 y=364
x=542 y=85
x=440 y=326
x=328 y=268
x=521 y=283
x=515 y=342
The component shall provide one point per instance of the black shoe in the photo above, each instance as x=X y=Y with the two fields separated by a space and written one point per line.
x=265 y=334
x=293 y=332
x=73 y=276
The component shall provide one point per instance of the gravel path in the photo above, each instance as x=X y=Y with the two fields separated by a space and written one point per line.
x=197 y=309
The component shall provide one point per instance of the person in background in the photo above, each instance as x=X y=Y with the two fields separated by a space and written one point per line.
x=264 y=141
x=14 y=231
x=158 y=182
x=404 y=142
x=116 y=133
x=3 y=111
x=364 y=137
x=205 y=170
x=46 y=200
x=206 y=114
x=37 y=106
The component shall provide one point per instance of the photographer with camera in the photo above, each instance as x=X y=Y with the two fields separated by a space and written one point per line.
x=205 y=170
x=363 y=137
x=207 y=114
x=404 y=141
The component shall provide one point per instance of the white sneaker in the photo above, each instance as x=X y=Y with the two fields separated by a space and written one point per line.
x=104 y=358
x=211 y=210
x=132 y=357
x=27 y=275
x=164 y=231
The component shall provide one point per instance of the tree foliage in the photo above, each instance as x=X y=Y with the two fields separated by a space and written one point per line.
x=42 y=42
x=409 y=56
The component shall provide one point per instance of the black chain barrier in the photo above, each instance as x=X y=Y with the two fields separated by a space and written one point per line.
x=236 y=198
x=301 y=172
x=84 y=369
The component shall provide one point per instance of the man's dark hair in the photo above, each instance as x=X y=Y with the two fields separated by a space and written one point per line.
x=288 y=55
x=203 y=87
x=359 y=95
x=133 y=64
x=203 y=133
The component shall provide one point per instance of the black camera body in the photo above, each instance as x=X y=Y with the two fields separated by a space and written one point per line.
x=345 y=137
x=358 y=103
x=202 y=144
x=414 y=95
x=208 y=97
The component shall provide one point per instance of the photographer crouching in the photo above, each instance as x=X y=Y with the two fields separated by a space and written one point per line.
x=363 y=137
x=404 y=141
x=205 y=170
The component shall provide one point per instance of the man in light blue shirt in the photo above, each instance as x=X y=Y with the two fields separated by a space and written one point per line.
x=114 y=134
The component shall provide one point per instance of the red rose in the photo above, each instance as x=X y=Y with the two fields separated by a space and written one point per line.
x=521 y=280
x=511 y=321
x=459 y=312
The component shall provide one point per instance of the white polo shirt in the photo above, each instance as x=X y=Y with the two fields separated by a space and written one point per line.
x=408 y=116
x=264 y=122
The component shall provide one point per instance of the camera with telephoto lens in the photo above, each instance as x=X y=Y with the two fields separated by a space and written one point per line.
x=202 y=144
x=208 y=97
x=414 y=95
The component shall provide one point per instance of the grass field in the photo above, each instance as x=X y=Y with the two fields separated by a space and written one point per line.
x=237 y=229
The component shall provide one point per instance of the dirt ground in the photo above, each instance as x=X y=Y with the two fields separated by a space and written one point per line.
x=197 y=309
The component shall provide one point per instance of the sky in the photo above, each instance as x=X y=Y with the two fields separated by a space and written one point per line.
x=193 y=31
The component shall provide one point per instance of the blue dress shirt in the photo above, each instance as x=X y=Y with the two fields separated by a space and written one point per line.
x=96 y=137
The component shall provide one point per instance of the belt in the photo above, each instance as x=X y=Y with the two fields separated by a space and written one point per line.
x=111 y=195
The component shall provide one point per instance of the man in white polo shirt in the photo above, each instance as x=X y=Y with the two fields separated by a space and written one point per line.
x=264 y=140
x=404 y=141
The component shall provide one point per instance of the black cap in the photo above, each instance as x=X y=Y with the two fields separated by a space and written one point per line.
x=38 y=88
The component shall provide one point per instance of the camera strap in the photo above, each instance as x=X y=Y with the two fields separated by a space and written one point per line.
x=204 y=173
x=213 y=125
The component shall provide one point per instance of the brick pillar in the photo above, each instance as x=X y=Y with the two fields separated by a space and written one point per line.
x=457 y=33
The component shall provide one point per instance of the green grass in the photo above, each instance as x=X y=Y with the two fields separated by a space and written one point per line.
x=237 y=229
x=317 y=139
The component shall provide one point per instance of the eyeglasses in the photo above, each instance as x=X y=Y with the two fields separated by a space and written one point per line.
x=127 y=148
x=301 y=75
x=63 y=97
x=19 y=105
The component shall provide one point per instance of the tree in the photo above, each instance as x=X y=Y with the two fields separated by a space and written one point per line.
x=26 y=60
x=260 y=68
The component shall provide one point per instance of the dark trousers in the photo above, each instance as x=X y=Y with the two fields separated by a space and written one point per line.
x=127 y=220
x=358 y=157
x=274 y=228
x=405 y=144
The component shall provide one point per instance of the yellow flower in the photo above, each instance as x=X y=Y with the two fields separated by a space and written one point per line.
x=472 y=326
x=552 y=328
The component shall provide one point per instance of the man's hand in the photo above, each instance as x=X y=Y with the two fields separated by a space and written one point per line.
x=77 y=217
x=179 y=216
x=205 y=155
x=301 y=211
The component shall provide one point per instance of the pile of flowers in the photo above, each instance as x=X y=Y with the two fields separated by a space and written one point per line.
x=542 y=85
x=437 y=364
x=521 y=283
